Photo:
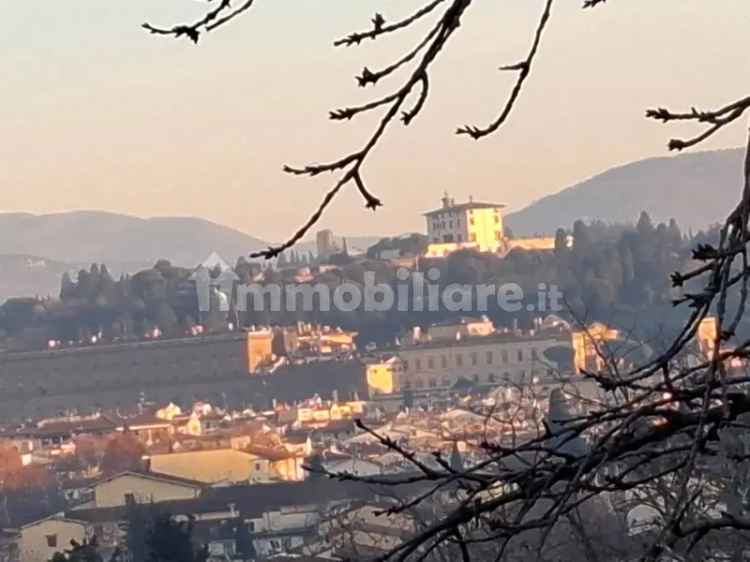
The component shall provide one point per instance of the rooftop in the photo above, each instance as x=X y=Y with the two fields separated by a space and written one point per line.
x=449 y=205
x=498 y=337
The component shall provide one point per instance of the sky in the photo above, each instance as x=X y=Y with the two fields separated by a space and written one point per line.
x=98 y=114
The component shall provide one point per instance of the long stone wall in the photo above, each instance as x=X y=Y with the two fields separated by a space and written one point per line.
x=214 y=368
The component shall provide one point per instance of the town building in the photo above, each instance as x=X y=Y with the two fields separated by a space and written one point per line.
x=118 y=490
x=312 y=340
x=500 y=358
x=280 y=518
x=473 y=225
x=40 y=540
x=326 y=244
x=477 y=226
x=223 y=367
x=213 y=466
x=383 y=374
x=589 y=344
x=465 y=353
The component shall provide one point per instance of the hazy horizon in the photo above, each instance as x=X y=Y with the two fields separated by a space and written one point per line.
x=100 y=115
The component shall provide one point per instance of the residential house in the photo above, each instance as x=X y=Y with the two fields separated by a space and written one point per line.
x=40 y=540
x=211 y=466
x=117 y=490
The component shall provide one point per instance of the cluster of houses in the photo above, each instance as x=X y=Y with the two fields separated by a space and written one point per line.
x=257 y=483
x=246 y=473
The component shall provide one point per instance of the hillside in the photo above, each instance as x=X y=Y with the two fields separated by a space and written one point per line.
x=697 y=189
x=119 y=240
x=30 y=276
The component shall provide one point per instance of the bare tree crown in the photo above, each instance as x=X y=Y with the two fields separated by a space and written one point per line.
x=664 y=424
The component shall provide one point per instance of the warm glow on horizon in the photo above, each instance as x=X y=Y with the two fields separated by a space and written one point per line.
x=98 y=114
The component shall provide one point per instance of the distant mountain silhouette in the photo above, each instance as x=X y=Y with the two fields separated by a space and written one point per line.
x=698 y=189
x=115 y=239
x=32 y=276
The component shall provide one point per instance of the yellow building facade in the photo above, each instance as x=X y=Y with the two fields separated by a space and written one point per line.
x=472 y=224
x=40 y=540
x=142 y=488
x=212 y=466
x=383 y=376
x=589 y=347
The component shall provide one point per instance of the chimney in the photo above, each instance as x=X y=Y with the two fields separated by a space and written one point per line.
x=447 y=201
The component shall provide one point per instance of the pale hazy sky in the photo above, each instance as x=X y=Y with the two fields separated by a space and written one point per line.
x=97 y=114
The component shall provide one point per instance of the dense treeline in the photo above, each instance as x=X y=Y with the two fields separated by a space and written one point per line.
x=615 y=273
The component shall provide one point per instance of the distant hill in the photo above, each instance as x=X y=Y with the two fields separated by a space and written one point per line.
x=698 y=189
x=30 y=276
x=119 y=240
x=27 y=276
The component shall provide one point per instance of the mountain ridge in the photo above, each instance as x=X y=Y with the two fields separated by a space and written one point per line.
x=664 y=186
x=107 y=237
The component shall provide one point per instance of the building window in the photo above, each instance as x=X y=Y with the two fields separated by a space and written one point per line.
x=476 y=378
x=433 y=383
x=520 y=355
x=491 y=378
x=471 y=221
x=430 y=363
x=459 y=360
x=489 y=358
x=417 y=364
x=450 y=224
x=473 y=237
x=444 y=362
x=406 y=365
x=534 y=354
x=51 y=541
x=498 y=235
x=504 y=354
x=257 y=467
x=474 y=358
